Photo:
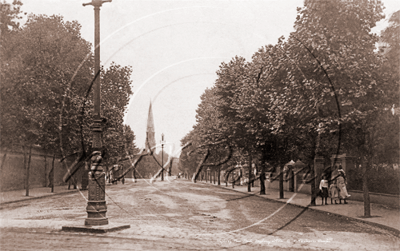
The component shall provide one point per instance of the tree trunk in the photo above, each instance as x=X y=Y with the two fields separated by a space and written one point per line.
x=262 y=174
x=23 y=150
x=27 y=171
x=312 y=183
x=214 y=177
x=199 y=167
x=314 y=168
x=85 y=176
x=262 y=180
x=281 y=194
x=52 y=174
x=4 y=160
x=233 y=180
x=249 y=183
x=367 y=206
x=45 y=170
x=219 y=175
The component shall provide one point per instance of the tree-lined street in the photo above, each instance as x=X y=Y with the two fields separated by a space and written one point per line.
x=318 y=108
x=327 y=89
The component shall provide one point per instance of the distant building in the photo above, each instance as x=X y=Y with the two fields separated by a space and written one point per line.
x=148 y=166
x=150 y=131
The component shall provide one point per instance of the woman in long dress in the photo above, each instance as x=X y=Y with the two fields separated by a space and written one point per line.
x=341 y=184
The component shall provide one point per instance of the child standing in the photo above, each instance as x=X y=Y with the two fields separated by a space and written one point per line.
x=323 y=186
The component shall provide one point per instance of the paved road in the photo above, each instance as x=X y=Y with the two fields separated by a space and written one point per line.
x=180 y=215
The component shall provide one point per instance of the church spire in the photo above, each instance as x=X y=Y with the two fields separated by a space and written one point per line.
x=150 y=132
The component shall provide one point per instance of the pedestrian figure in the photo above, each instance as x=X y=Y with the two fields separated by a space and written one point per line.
x=341 y=185
x=112 y=175
x=323 y=187
x=333 y=192
x=115 y=173
x=70 y=182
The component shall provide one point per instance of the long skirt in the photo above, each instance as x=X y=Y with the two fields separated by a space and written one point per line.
x=333 y=192
x=324 y=193
x=343 y=192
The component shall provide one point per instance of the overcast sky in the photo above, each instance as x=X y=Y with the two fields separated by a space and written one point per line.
x=175 y=48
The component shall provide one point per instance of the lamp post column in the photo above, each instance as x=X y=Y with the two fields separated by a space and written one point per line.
x=96 y=207
x=162 y=157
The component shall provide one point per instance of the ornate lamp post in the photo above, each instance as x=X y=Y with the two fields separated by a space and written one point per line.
x=96 y=207
x=96 y=222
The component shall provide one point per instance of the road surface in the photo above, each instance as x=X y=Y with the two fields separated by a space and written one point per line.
x=180 y=215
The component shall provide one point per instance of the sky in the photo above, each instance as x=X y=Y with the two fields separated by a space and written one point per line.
x=175 y=48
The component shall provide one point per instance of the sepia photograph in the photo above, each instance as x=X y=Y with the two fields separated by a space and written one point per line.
x=200 y=125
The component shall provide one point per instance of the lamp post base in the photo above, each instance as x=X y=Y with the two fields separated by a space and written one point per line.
x=95 y=229
x=96 y=206
x=96 y=221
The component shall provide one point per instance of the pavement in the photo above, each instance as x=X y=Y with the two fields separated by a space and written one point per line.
x=381 y=215
x=34 y=193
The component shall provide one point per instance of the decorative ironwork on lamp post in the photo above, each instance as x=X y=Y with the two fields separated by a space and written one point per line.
x=96 y=207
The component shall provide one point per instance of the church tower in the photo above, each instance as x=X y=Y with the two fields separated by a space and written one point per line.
x=150 y=132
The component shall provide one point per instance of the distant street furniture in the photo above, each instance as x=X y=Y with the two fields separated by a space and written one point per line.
x=162 y=156
x=289 y=175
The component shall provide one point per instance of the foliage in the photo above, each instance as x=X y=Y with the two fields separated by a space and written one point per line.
x=323 y=91
x=10 y=13
x=47 y=70
x=391 y=50
x=39 y=61
x=381 y=179
x=116 y=89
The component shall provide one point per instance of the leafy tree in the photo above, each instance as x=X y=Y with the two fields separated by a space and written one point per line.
x=39 y=62
x=10 y=14
x=129 y=137
x=115 y=88
x=391 y=52
x=46 y=96
x=335 y=48
x=323 y=91
x=187 y=163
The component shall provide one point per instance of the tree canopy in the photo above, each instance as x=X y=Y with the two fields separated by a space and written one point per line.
x=324 y=90
x=46 y=95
